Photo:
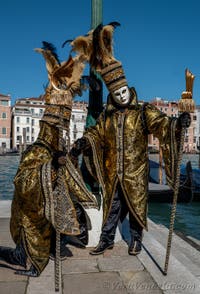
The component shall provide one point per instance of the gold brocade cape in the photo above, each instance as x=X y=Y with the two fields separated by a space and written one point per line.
x=119 y=144
x=34 y=203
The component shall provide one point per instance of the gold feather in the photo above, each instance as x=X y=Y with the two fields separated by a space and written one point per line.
x=51 y=62
x=83 y=45
x=106 y=44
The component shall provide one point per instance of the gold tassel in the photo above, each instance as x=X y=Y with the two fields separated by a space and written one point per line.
x=186 y=103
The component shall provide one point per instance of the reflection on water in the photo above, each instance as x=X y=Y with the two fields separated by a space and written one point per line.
x=194 y=158
x=187 y=215
x=8 y=168
x=187 y=218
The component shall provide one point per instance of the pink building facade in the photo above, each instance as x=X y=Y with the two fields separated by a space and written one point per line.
x=5 y=122
x=171 y=109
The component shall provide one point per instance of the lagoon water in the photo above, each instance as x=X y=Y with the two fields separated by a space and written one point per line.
x=187 y=215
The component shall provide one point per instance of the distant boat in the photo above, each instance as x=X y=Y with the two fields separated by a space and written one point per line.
x=162 y=192
x=10 y=153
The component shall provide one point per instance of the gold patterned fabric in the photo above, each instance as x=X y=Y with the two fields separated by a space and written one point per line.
x=119 y=143
x=34 y=203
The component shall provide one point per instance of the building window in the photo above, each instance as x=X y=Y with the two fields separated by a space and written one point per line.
x=41 y=111
x=27 y=120
x=194 y=117
x=18 y=119
x=74 y=136
x=18 y=129
x=32 y=139
x=4 y=102
x=4 y=115
x=3 y=131
x=73 y=117
x=27 y=138
x=33 y=122
x=18 y=138
x=27 y=129
x=33 y=130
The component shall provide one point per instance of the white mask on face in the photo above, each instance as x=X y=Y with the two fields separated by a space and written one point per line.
x=122 y=95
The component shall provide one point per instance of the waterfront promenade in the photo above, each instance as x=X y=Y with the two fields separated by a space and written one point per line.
x=114 y=271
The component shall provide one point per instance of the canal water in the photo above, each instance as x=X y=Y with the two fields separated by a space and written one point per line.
x=187 y=215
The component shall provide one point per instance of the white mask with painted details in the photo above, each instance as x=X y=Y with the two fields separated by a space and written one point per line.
x=122 y=95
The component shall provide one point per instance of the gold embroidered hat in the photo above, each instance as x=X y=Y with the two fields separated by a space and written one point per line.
x=102 y=59
x=113 y=76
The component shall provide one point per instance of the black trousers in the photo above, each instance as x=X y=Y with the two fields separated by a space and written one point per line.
x=119 y=211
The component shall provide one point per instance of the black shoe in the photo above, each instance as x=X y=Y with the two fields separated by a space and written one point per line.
x=32 y=272
x=135 y=246
x=15 y=256
x=101 y=248
x=72 y=240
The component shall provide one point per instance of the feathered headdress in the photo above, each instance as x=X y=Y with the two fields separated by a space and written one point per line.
x=64 y=83
x=64 y=77
x=102 y=46
x=82 y=45
x=102 y=58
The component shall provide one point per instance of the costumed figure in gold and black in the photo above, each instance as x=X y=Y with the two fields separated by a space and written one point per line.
x=116 y=148
x=46 y=176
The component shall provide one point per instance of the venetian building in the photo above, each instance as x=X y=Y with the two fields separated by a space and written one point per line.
x=26 y=114
x=197 y=134
x=78 y=120
x=5 y=122
x=171 y=109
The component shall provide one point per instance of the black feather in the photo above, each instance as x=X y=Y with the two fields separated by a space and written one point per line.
x=52 y=48
x=114 y=24
x=67 y=41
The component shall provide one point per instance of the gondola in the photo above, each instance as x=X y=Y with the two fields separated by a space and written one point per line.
x=162 y=192
x=195 y=182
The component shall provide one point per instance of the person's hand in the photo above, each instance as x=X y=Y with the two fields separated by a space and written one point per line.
x=79 y=146
x=184 y=120
x=59 y=159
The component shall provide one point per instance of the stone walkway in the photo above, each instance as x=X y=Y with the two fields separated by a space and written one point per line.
x=114 y=271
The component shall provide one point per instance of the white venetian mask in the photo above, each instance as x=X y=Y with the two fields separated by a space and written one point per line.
x=122 y=95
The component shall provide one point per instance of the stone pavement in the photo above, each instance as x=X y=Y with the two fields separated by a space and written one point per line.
x=114 y=271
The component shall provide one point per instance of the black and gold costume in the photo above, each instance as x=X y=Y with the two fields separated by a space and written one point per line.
x=119 y=142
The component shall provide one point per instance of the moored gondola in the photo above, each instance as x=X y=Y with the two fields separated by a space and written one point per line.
x=163 y=193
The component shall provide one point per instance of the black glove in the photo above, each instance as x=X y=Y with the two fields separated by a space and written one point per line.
x=59 y=159
x=79 y=146
x=184 y=120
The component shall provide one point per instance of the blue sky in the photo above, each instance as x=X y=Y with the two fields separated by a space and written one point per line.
x=156 y=42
